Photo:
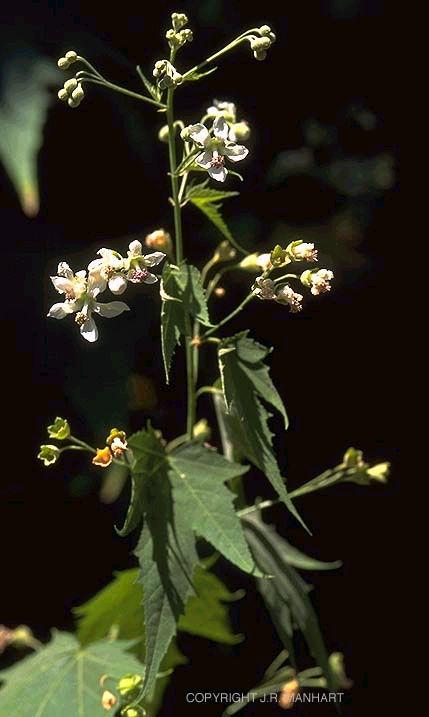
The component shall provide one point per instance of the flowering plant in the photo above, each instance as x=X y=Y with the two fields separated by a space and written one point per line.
x=187 y=493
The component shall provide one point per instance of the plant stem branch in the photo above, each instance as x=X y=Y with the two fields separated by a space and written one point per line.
x=230 y=316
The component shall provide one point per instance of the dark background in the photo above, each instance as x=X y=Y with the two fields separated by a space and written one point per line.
x=103 y=182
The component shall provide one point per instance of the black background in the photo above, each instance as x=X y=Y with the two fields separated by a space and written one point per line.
x=103 y=179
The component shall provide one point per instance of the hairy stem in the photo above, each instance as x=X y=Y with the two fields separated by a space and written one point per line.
x=191 y=366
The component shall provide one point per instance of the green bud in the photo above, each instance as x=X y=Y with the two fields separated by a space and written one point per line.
x=63 y=95
x=202 y=430
x=48 y=454
x=353 y=458
x=241 y=131
x=163 y=134
x=179 y=20
x=305 y=277
x=70 y=85
x=78 y=94
x=63 y=63
x=185 y=133
x=71 y=56
x=260 y=55
x=224 y=252
x=336 y=663
x=73 y=103
x=265 y=30
x=260 y=43
x=279 y=256
x=129 y=685
x=60 y=429
x=380 y=472
x=133 y=712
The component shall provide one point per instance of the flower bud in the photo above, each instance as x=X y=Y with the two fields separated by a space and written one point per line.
x=202 y=430
x=353 y=458
x=108 y=700
x=73 y=103
x=336 y=663
x=63 y=63
x=159 y=240
x=78 y=94
x=279 y=256
x=179 y=20
x=163 y=134
x=103 y=457
x=129 y=686
x=63 y=95
x=380 y=472
x=70 y=85
x=255 y=262
x=260 y=44
x=265 y=30
x=239 y=132
x=60 y=429
x=71 y=56
x=260 y=55
x=48 y=454
x=224 y=252
x=318 y=281
x=288 y=693
x=219 y=292
x=133 y=712
x=264 y=289
x=185 y=133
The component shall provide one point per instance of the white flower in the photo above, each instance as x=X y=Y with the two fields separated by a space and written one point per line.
x=319 y=281
x=220 y=108
x=265 y=288
x=110 y=266
x=80 y=293
x=302 y=251
x=288 y=296
x=138 y=262
x=216 y=148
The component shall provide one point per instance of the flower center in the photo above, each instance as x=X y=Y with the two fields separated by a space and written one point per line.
x=218 y=160
x=80 y=318
x=138 y=275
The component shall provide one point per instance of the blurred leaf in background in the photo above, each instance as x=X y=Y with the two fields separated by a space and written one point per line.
x=24 y=103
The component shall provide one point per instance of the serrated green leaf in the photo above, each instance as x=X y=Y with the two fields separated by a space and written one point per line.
x=203 y=194
x=182 y=291
x=167 y=556
x=197 y=478
x=286 y=592
x=212 y=212
x=246 y=383
x=148 y=460
x=23 y=112
x=63 y=678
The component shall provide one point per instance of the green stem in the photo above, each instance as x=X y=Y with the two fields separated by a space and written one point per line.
x=227 y=48
x=286 y=276
x=172 y=155
x=123 y=91
x=82 y=444
x=191 y=365
x=230 y=316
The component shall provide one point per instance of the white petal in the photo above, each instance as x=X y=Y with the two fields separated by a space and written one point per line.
x=89 y=330
x=111 y=309
x=96 y=283
x=153 y=259
x=220 y=128
x=135 y=248
x=151 y=279
x=236 y=153
x=212 y=111
x=61 y=284
x=95 y=265
x=218 y=173
x=117 y=284
x=204 y=159
x=59 y=311
x=199 y=134
x=64 y=270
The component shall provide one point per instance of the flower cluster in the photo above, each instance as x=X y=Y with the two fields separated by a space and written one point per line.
x=239 y=131
x=60 y=431
x=166 y=75
x=177 y=36
x=266 y=288
x=260 y=45
x=72 y=92
x=215 y=146
x=116 y=446
x=69 y=58
x=111 y=270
